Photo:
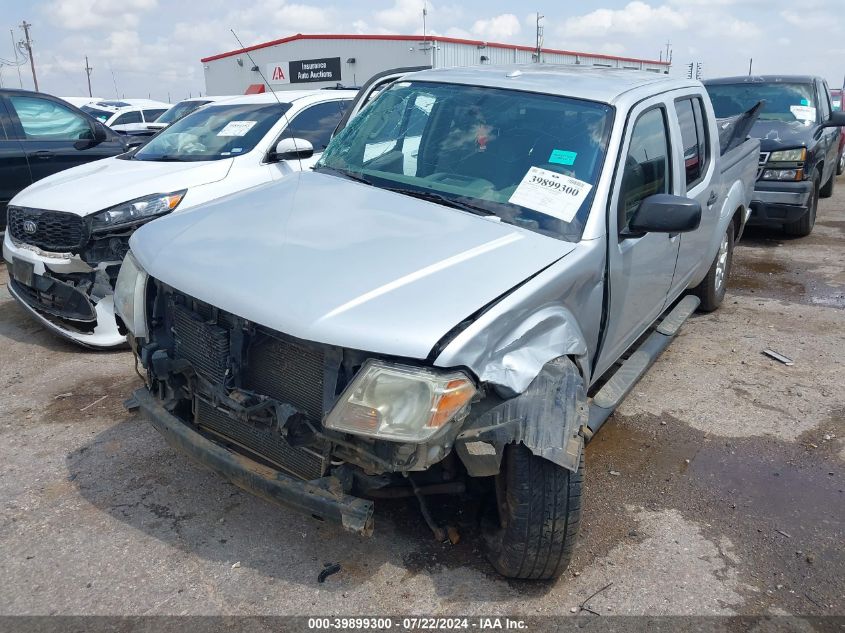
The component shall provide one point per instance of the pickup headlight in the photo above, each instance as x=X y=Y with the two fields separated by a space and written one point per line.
x=136 y=211
x=401 y=403
x=789 y=155
x=783 y=174
x=130 y=295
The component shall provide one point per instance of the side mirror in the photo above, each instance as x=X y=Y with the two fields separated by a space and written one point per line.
x=837 y=119
x=100 y=133
x=665 y=213
x=291 y=149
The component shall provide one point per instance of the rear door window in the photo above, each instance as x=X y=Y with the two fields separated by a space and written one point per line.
x=128 y=117
x=42 y=119
x=152 y=115
x=694 y=139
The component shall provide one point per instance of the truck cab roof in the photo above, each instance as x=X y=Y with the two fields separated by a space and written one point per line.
x=756 y=79
x=605 y=85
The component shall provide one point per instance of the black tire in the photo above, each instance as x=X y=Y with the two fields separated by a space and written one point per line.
x=804 y=226
x=539 y=513
x=712 y=289
x=840 y=164
x=827 y=190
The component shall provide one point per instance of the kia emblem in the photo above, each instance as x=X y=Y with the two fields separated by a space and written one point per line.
x=29 y=227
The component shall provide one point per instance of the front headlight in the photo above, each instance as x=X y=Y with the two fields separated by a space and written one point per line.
x=136 y=211
x=130 y=295
x=788 y=155
x=401 y=403
x=783 y=174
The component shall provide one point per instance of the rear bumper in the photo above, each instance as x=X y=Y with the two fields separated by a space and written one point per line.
x=776 y=203
x=321 y=498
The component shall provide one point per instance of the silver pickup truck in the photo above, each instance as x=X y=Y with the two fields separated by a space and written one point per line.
x=480 y=267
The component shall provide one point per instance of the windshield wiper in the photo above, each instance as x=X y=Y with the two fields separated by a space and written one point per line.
x=431 y=196
x=343 y=173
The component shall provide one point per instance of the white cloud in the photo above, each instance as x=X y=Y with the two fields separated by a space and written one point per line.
x=86 y=14
x=635 y=18
x=403 y=16
x=502 y=28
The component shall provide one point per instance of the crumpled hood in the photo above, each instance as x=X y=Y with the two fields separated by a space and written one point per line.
x=333 y=261
x=775 y=135
x=101 y=184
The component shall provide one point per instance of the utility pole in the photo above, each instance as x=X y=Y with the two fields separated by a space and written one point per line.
x=25 y=26
x=88 y=70
x=539 y=36
x=750 y=63
x=425 y=13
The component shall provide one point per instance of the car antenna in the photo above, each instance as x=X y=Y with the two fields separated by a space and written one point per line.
x=279 y=101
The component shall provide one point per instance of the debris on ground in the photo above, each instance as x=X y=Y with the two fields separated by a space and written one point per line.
x=615 y=473
x=778 y=357
x=328 y=570
x=88 y=406
x=237 y=565
x=453 y=534
x=62 y=396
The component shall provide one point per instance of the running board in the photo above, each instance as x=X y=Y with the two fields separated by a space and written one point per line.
x=619 y=385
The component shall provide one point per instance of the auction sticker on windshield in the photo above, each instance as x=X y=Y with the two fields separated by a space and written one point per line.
x=803 y=113
x=551 y=193
x=236 y=128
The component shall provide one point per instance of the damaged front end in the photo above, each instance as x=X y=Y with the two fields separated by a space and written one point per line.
x=63 y=268
x=217 y=382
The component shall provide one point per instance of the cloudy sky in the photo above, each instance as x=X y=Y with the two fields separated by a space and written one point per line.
x=153 y=47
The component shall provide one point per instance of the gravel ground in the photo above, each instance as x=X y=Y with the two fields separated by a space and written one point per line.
x=717 y=488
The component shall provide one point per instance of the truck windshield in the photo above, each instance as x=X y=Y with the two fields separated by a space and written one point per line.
x=783 y=101
x=180 y=110
x=213 y=133
x=528 y=159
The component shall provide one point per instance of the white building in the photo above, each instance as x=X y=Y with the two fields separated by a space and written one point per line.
x=318 y=61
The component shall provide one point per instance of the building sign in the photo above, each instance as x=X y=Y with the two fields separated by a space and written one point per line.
x=304 y=71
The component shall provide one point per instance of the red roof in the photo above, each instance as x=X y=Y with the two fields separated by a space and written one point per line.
x=431 y=38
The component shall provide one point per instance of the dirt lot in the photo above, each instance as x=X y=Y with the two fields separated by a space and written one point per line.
x=717 y=488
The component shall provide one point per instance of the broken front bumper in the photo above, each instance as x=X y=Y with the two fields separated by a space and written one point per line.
x=322 y=498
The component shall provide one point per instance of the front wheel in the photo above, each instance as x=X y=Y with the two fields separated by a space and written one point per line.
x=712 y=289
x=804 y=226
x=539 y=511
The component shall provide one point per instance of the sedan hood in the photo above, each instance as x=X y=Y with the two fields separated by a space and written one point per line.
x=334 y=261
x=101 y=184
x=775 y=135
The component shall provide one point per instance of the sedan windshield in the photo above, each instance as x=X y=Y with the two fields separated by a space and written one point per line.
x=782 y=101
x=213 y=133
x=183 y=108
x=101 y=115
x=524 y=158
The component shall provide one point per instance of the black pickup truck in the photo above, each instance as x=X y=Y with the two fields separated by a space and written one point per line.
x=41 y=135
x=799 y=144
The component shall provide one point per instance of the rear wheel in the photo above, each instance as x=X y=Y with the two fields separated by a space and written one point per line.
x=712 y=289
x=539 y=511
x=804 y=226
x=840 y=164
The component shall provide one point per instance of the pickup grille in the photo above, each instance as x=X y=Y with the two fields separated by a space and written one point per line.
x=271 y=446
x=287 y=370
x=54 y=231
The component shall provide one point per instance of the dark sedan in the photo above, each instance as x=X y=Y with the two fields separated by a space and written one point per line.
x=41 y=135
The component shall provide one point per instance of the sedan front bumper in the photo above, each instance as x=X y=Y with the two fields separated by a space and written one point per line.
x=321 y=498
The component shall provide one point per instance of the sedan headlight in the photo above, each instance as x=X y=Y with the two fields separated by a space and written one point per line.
x=788 y=155
x=130 y=295
x=136 y=211
x=401 y=403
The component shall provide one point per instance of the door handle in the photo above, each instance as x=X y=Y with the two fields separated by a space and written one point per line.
x=43 y=154
x=712 y=199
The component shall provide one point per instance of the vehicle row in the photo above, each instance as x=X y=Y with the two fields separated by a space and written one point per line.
x=443 y=283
